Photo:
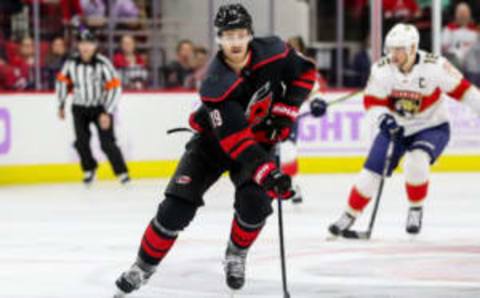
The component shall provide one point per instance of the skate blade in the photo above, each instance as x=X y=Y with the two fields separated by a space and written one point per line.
x=332 y=238
x=119 y=294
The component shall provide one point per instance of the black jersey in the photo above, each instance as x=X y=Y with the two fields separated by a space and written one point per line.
x=275 y=82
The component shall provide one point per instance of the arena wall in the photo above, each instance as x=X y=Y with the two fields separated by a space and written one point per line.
x=36 y=147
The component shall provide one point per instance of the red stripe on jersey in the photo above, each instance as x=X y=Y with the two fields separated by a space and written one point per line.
x=193 y=123
x=242 y=148
x=310 y=75
x=460 y=90
x=283 y=110
x=372 y=101
x=241 y=237
x=416 y=193
x=303 y=84
x=229 y=90
x=429 y=100
x=228 y=143
x=271 y=59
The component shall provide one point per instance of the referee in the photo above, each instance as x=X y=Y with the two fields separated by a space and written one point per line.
x=96 y=90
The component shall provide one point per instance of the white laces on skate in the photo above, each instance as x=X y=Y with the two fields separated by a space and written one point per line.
x=414 y=217
x=134 y=276
x=344 y=222
x=234 y=265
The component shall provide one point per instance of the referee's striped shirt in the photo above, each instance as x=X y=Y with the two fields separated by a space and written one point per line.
x=95 y=83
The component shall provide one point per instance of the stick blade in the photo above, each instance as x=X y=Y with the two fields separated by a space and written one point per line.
x=350 y=234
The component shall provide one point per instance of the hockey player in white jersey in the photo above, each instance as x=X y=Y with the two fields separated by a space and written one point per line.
x=406 y=95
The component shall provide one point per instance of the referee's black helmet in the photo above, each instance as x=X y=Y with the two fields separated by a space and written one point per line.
x=86 y=35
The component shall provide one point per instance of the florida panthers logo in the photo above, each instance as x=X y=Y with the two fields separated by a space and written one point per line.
x=259 y=104
x=406 y=103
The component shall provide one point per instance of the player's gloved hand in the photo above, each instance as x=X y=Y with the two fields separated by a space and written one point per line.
x=276 y=183
x=389 y=125
x=318 y=107
x=272 y=130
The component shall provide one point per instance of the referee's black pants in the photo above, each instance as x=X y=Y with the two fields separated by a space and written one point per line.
x=82 y=118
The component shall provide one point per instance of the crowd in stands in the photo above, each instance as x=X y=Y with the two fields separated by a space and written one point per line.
x=460 y=35
x=460 y=41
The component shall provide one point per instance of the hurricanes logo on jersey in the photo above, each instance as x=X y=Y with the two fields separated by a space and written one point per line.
x=259 y=105
x=406 y=103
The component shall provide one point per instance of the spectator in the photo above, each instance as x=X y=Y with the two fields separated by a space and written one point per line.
x=401 y=10
x=199 y=68
x=54 y=61
x=394 y=11
x=131 y=65
x=3 y=69
x=94 y=12
x=178 y=70
x=71 y=12
x=7 y=10
x=362 y=62
x=297 y=43
x=472 y=63
x=460 y=35
x=23 y=65
x=126 y=12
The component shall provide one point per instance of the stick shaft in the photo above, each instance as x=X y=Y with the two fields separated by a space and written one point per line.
x=386 y=167
x=282 y=248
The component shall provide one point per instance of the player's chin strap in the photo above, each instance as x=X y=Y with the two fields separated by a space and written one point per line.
x=179 y=129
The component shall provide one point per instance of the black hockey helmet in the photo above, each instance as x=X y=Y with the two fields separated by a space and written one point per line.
x=86 y=35
x=233 y=16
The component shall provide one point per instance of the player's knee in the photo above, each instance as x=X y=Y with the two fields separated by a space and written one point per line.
x=367 y=182
x=107 y=145
x=175 y=214
x=417 y=166
x=80 y=145
x=252 y=204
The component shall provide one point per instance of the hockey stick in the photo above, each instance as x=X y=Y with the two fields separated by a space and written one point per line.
x=335 y=101
x=179 y=129
x=286 y=294
x=365 y=235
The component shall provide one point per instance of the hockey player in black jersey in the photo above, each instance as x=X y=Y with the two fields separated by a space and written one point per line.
x=250 y=98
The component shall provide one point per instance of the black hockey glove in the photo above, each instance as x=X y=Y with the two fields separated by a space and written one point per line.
x=390 y=127
x=272 y=130
x=275 y=183
x=318 y=107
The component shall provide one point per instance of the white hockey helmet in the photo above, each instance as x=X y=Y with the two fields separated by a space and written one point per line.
x=402 y=35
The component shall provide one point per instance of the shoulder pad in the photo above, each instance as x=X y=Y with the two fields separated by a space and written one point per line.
x=384 y=61
x=219 y=83
x=430 y=58
x=102 y=58
x=267 y=50
x=73 y=57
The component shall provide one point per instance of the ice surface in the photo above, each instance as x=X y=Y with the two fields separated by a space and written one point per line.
x=68 y=241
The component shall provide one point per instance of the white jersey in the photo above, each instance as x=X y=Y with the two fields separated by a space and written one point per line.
x=458 y=40
x=416 y=99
